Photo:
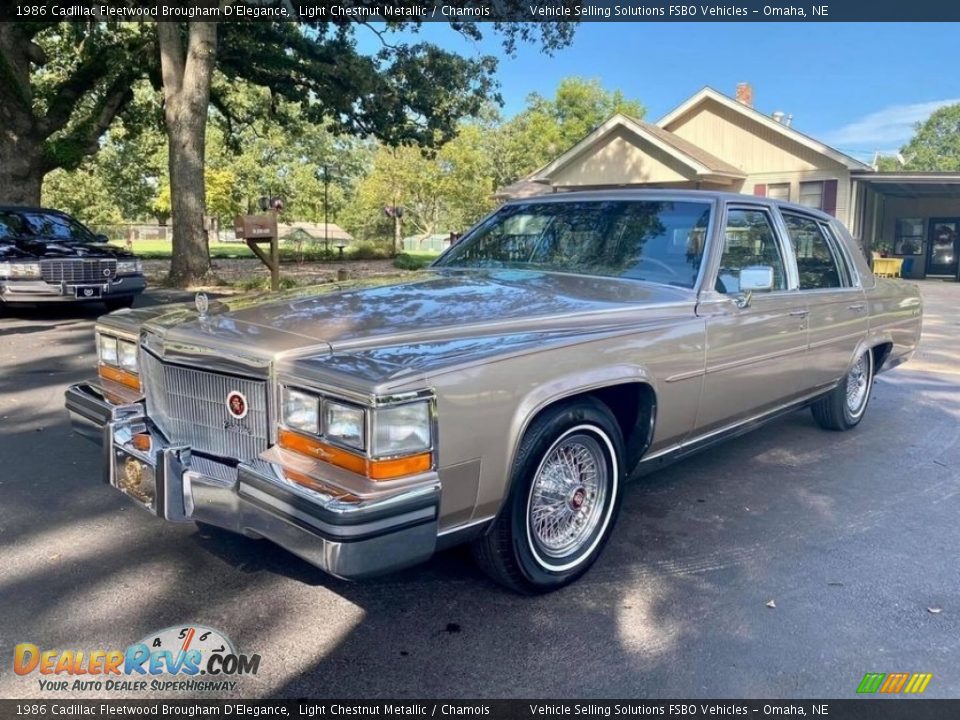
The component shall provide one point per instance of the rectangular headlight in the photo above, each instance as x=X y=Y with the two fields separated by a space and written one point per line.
x=107 y=349
x=129 y=267
x=127 y=355
x=343 y=424
x=24 y=270
x=301 y=410
x=402 y=430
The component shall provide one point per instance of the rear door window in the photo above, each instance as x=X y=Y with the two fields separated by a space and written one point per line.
x=819 y=264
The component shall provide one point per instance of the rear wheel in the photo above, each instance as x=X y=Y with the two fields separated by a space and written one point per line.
x=565 y=493
x=843 y=408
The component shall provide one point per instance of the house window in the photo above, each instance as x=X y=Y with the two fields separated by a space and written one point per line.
x=779 y=191
x=909 y=236
x=811 y=194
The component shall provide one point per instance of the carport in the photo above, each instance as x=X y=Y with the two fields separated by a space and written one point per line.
x=911 y=215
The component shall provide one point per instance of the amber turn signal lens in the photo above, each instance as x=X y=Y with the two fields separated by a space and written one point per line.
x=141 y=442
x=373 y=469
x=390 y=469
x=321 y=451
x=119 y=376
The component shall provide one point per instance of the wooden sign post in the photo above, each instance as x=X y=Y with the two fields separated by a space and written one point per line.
x=256 y=230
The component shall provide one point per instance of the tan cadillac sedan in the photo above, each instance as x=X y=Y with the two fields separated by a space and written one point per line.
x=503 y=397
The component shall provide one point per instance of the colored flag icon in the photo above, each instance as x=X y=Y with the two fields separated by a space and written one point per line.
x=894 y=683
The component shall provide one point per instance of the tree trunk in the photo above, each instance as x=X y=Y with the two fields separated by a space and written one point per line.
x=186 y=90
x=21 y=173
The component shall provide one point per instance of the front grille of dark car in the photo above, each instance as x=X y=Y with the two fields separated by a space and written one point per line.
x=189 y=405
x=78 y=271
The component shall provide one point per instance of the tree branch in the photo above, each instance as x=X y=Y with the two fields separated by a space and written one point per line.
x=379 y=34
x=85 y=79
x=121 y=62
x=69 y=150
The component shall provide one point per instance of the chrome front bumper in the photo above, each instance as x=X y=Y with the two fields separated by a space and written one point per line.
x=40 y=291
x=351 y=540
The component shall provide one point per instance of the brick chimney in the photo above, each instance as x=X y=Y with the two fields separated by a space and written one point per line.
x=745 y=94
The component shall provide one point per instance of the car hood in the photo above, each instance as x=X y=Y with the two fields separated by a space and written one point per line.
x=445 y=304
x=41 y=249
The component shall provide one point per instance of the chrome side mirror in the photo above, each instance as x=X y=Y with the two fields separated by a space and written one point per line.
x=755 y=278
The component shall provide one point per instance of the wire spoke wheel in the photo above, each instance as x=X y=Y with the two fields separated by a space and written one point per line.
x=568 y=496
x=858 y=380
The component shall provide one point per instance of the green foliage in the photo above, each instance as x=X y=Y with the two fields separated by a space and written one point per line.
x=62 y=84
x=404 y=261
x=272 y=148
x=83 y=79
x=263 y=284
x=887 y=163
x=442 y=191
x=936 y=144
x=367 y=250
x=83 y=194
x=548 y=127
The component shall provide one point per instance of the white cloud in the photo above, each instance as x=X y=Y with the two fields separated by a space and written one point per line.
x=886 y=129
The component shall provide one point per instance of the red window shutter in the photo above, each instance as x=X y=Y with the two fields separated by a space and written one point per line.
x=830 y=196
x=760 y=190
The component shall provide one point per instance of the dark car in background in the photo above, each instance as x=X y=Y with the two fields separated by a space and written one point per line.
x=47 y=256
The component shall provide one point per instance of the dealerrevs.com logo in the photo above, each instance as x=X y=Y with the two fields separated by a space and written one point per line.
x=190 y=658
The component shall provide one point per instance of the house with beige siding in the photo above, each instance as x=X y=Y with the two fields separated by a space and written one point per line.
x=713 y=141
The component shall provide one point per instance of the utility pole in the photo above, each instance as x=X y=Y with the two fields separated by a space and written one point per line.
x=326 y=204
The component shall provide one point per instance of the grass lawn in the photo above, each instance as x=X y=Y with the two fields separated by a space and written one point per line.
x=161 y=250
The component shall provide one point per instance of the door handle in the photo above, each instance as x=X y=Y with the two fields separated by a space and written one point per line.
x=857 y=307
x=799 y=313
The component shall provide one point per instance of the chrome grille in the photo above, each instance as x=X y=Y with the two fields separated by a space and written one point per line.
x=78 y=271
x=190 y=407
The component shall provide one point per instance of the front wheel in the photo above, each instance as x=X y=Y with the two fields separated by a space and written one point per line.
x=845 y=405
x=565 y=493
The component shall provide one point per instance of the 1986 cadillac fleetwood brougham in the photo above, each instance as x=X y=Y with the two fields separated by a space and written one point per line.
x=502 y=397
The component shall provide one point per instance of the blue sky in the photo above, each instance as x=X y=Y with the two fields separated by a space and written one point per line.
x=860 y=87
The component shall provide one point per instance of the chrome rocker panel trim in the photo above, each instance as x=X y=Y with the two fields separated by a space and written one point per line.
x=348 y=540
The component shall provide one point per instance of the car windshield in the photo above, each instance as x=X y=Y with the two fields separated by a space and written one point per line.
x=41 y=225
x=657 y=240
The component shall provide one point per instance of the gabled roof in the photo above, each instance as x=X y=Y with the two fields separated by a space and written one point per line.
x=317 y=231
x=701 y=162
x=708 y=93
x=525 y=187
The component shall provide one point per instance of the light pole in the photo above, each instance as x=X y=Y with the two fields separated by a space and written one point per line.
x=325 y=168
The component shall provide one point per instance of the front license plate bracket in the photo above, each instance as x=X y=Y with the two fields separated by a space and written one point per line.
x=138 y=480
x=89 y=292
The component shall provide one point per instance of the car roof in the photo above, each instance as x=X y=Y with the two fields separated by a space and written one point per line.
x=27 y=208
x=657 y=193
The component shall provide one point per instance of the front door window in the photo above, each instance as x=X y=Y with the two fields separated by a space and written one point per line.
x=944 y=247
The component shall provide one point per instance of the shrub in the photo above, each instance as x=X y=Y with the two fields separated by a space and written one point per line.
x=403 y=261
x=366 y=250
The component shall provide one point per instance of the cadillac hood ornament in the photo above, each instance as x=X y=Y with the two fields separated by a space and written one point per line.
x=203 y=304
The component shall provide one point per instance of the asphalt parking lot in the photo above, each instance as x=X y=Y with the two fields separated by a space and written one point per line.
x=853 y=537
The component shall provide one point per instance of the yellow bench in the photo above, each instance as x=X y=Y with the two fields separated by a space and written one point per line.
x=887 y=267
